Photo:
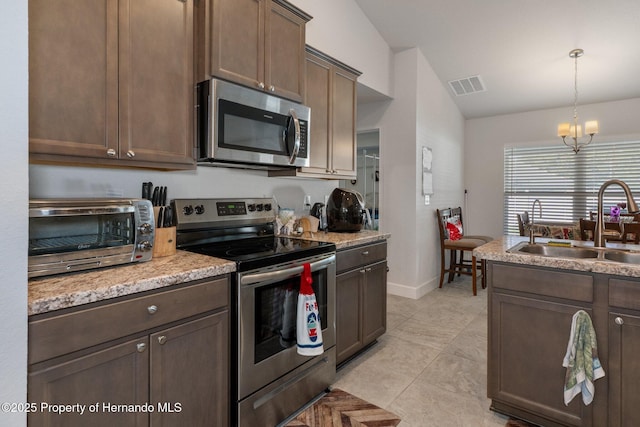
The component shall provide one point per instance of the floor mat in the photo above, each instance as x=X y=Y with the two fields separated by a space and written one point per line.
x=341 y=409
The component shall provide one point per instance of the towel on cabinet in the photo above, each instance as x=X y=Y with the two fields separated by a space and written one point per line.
x=581 y=360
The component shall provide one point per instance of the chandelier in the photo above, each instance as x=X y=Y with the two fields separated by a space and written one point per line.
x=574 y=130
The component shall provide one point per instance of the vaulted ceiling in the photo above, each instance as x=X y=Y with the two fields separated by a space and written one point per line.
x=520 y=48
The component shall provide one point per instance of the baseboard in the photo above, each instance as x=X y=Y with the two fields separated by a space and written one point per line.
x=410 y=291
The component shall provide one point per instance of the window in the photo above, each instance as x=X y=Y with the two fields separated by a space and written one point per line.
x=567 y=184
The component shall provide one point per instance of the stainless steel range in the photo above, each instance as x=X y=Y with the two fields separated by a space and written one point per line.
x=269 y=379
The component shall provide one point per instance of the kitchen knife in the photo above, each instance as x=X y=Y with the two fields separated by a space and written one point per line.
x=146 y=190
x=168 y=216
x=154 y=197
x=161 y=217
x=163 y=196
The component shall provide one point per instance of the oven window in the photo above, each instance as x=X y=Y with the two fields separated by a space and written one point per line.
x=275 y=313
x=50 y=235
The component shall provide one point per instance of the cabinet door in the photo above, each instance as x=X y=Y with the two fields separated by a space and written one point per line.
x=348 y=314
x=156 y=81
x=73 y=77
x=343 y=122
x=115 y=375
x=317 y=97
x=237 y=41
x=190 y=373
x=374 y=302
x=528 y=341
x=284 y=53
x=624 y=370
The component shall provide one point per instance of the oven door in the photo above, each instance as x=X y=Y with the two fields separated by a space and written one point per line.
x=267 y=320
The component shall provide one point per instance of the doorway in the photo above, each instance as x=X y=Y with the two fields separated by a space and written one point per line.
x=367 y=181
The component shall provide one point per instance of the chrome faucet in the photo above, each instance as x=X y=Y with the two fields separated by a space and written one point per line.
x=532 y=237
x=598 y=238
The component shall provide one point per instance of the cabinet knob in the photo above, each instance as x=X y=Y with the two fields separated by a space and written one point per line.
x=272 y=88
x=261 y=85
x=368 y=269
x=131 y=154
x=162 y=339
x=111 y=152
x=365 y=253
x=152 y=309
x=362 y=271
x=619 y=321
x=141 y=347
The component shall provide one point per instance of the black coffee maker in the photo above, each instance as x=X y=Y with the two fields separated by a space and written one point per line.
x=345 y=211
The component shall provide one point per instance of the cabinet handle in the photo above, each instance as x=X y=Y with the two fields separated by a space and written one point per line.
x=152 y=309
x=261 y=85
x=619 y=321
x=368 y=269
x=162 y=339
x=365 y=253
x=141 y=347
x=362 y=271
x=131 y=154
x=111 y=152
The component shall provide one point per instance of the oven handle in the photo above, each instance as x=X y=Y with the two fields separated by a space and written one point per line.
x=75 y=211
x=286 y=273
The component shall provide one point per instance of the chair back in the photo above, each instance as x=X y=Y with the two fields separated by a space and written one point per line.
x=631 y=233
x=587 y=229
x=445 y=215
x=523 y=221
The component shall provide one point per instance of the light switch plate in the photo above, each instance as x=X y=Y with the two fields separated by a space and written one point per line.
x=426 y=199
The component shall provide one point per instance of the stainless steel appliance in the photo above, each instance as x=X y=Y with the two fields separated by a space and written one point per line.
x=269 y=379
x=240 y=126
x=345 y=211
x=67 y=235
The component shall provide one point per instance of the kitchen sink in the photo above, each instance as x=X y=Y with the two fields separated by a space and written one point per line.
x=555 y=251
x=580 y=252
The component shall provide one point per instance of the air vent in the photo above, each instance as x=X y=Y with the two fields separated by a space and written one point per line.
x=467 y=85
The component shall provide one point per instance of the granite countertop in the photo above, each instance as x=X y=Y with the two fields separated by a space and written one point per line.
x=497 y=251
x=346 y=240
x=69 y=290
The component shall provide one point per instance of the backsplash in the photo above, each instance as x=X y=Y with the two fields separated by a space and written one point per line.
x=47 y=181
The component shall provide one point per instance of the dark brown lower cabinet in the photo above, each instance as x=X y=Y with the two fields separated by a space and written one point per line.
x=530 y=314
x=173 y=374
x=361 y=298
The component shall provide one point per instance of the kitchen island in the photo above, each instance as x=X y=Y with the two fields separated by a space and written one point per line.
x=531 y=302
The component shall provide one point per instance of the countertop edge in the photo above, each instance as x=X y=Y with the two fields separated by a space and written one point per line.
x=496 y=250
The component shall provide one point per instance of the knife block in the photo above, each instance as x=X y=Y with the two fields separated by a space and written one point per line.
x=164 y=242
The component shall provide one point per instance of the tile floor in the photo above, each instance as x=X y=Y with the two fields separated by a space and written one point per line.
x=430 y=367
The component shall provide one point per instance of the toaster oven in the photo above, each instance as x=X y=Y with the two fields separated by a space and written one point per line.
x=67 y=235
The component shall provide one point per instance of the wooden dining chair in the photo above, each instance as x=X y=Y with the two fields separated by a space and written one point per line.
x=611 y=230
x=523 y=222
x=461 y=243
x=631 y=232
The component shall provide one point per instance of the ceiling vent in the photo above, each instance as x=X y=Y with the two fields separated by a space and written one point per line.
x=467 y=85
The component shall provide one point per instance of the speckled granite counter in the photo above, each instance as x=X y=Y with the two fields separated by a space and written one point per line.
x=497 y=251
x=345 y=240
x=69 y=290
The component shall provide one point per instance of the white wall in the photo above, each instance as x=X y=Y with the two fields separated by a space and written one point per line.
x=14 y=136
x=484 y=149
x=340 y=29
x=422 y=113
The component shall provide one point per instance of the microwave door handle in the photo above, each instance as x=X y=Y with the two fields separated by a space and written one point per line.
x=296 y=143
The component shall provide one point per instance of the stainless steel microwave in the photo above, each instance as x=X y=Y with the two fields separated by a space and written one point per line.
x=241 y=126
x=67 y=235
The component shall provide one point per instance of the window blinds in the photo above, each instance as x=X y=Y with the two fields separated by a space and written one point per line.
x=567 y=184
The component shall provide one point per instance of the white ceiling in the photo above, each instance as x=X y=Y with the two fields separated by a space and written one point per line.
x=520 y=48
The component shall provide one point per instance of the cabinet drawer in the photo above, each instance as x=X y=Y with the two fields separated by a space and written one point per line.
x=624 y=293
x=556 y=283
x=361 y=255
x=72 y=330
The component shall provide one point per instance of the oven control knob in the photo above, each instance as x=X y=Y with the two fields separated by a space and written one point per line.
x=187 y=210
x=145 y=228
x=199 y=209
x=259 y=207
x=267 y=207
x=145 y=246
x=251 y=207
